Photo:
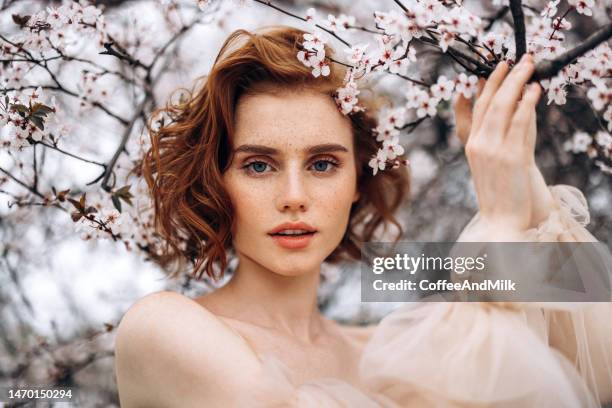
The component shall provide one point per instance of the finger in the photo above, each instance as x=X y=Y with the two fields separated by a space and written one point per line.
x=481 y=84
x=463 y=117
x=492 y=84
x=521 y=126
x=504 y=102
x=530 y=137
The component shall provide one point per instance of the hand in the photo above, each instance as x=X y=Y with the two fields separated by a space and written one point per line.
x=502 y=128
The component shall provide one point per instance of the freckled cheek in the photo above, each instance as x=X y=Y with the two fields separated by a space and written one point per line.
x=251 y=205
x=333 y=202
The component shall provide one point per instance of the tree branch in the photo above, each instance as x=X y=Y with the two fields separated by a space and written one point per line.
x=122 y=143
x=548 y=69
x=520 y=42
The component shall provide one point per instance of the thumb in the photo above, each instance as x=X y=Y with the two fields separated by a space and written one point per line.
x=463 y=113
x=463 y=117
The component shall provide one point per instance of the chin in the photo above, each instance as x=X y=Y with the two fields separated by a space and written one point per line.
x=296 y=266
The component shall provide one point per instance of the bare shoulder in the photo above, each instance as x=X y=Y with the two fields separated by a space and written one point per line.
x=169 y=348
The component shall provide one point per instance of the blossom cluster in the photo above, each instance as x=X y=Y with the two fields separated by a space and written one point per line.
x=44 y=43
x=28 y=117
x=582 y=142
x=445 y=25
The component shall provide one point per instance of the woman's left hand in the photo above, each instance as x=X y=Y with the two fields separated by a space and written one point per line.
x=469 y=121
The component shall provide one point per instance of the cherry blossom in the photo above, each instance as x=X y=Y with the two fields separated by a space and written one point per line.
x=583 y=6
x=427 y=105
x=340 y=23
x=399 y=63
x=556 y=90
x=392 y=148
x=356 y=53
x=467 y=85
x=579 y=143
x=603 y=167
x=378 y=161
x=494 y=42
x=600 y=96
x=310 y=16
x=443 y=88
x=551 y=9
x=604 y=139
x=320 y=67
x=346 y=97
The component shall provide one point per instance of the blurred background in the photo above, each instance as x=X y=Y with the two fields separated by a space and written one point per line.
x=64 y=285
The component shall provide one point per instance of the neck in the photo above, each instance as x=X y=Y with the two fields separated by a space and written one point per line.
x=268 y=299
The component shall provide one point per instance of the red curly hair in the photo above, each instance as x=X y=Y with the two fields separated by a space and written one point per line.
x=189 y=153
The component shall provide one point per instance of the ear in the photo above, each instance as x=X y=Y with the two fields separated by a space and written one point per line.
x=357 y=196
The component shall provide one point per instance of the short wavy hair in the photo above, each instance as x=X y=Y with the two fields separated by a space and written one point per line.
x=189 y=153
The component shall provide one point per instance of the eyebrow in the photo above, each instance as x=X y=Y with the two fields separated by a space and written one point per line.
x=316 y=149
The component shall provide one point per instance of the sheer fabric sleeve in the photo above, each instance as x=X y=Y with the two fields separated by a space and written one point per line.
x=499 y=354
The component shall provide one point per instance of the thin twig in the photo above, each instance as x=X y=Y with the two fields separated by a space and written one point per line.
x=70 y=154
x=23 y=184
x=269 y=4
x=496 y=17
x=122 y=144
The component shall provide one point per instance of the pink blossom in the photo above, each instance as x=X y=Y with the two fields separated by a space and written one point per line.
x=378 y=162
x=443 y=88
x=466 y=85
x=583 y=6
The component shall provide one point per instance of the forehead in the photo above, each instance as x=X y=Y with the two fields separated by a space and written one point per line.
x=290 y=120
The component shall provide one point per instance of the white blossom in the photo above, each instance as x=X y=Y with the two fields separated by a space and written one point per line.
x=467 y=85
x=599 y=96
x=583 y=6
x=443 y=88
x=392 y=148
x=427 y=105
x=604 y=139
x=579 y=142
x=378 y=162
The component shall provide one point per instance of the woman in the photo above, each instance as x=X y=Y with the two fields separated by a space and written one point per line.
x=261 y=162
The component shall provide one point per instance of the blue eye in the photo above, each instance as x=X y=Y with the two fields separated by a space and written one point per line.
x=326 y=165
x=318 y=166
x=257 y=166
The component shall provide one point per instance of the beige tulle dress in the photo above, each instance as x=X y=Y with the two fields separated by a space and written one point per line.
x=474 y=354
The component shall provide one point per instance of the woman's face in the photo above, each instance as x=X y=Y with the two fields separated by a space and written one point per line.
x=293 y=163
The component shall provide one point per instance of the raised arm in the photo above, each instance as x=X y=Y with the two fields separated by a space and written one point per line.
x=515 y=204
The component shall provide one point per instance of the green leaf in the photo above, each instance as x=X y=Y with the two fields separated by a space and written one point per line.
x=20 y=20
x=38 y=122
x=76 y=216
x=61 y=196
x=123 y=189
x=124 y=194
x=20 y=108
x=76 y=204
x=127 y=199
x=116 y=202
x=41 y=109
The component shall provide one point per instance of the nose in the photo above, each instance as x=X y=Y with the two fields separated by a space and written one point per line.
x=292 y=191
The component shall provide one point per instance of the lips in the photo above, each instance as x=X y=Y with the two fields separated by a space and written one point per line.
x=292 y=226
x=293 y=241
